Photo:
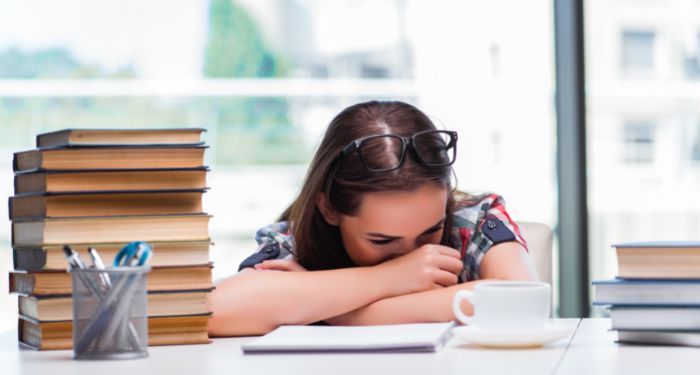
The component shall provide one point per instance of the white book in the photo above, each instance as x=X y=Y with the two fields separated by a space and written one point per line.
x=398 y=338
x=656 y=318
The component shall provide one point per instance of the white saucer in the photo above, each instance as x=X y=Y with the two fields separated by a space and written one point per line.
x=551 y=332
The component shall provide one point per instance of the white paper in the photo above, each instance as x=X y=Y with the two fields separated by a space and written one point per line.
x=393 y=338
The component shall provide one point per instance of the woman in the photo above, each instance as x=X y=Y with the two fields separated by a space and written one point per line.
x=377 y=234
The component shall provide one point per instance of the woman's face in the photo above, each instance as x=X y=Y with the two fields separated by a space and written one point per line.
x=390 y=224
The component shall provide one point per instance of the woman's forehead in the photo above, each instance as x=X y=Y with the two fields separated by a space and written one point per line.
x=421 y=208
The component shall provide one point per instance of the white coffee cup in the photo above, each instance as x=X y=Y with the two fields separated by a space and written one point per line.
x=506 y=306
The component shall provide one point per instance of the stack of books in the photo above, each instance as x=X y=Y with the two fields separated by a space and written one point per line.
x=656 y=297
x=103 y=189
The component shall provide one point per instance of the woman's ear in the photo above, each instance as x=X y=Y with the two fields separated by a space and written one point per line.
x=327 y=211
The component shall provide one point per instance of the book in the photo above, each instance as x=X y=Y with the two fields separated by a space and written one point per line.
x=91 y=137
x=637 y=292
x=51 y=257
x=192 y=227
x=655 y=318
x=78 y=204
x=60 y=307
x=399 y=338
x=109 y=157
x=659 y=338
x=111 y=180
x=169 y=330
x=159 y=279
x=659 y=259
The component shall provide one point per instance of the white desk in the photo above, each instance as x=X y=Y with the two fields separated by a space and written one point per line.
x=224 y=356
x=593 y=351
x=590 y=350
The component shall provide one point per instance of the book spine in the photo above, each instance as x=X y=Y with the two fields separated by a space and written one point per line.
x=22 y=283
x=33 y=259
x=9 y=208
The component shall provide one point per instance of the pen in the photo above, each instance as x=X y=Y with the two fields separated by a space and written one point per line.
x=73 y=258
x=97 y=261
x=75 y=262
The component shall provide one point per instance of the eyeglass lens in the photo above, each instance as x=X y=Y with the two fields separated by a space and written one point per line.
x=435 y=148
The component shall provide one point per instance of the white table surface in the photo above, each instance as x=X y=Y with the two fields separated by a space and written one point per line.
x=591 y=349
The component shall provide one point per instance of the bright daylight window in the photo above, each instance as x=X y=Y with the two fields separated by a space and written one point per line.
x=266 y=77
x=642 y=108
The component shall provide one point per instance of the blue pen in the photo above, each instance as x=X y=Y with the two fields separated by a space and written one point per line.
x=135 y=253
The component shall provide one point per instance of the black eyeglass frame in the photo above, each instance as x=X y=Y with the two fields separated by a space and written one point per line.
x=406 y=142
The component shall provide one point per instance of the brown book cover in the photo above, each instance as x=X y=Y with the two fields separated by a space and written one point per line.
x=659 y=259
x=52 y=258
x=169 y=330
x=43 y=283
x=192 y=227
x=92 y=137
x=60 y=307
x=111 y=180
x=109 y=157
x=118 y=203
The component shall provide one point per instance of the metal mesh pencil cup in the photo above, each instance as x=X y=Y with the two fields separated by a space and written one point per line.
x=110 y=320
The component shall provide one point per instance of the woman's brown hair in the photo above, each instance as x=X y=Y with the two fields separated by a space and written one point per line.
x=343 y=180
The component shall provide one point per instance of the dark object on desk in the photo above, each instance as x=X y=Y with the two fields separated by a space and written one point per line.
x=106 y=137
x=659 y=338
x=111 y=180
x=109 y=157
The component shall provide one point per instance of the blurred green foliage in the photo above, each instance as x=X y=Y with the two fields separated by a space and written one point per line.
x=52 y=63
x=258 y=128
x=242 y=130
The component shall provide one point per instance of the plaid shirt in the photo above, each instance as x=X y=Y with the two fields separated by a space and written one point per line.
x=477 y=225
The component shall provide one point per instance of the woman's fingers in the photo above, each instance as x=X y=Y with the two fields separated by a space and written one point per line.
x=452 y=265
x=280 y=265
x=444 y=278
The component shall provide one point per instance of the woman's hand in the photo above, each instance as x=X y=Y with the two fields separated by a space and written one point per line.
x=425 y=268
x=279 y=265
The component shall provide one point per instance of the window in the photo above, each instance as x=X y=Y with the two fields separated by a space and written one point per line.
x=691 y=60
x=266 y=77
x=641 y=135
x=637 y=52
x=638 y=142
x=695 y=145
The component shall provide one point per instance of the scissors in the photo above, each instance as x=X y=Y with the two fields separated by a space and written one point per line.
x=134 y=253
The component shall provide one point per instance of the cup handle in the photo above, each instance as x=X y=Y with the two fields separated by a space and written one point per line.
x=457 y=308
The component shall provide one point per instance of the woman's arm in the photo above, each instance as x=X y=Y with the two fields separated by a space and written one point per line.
x=507 y=261
x=256 y=302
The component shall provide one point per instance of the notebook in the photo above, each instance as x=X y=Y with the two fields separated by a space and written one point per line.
x=398 y=338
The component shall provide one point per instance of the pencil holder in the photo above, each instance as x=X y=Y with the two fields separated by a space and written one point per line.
x=110 y=320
